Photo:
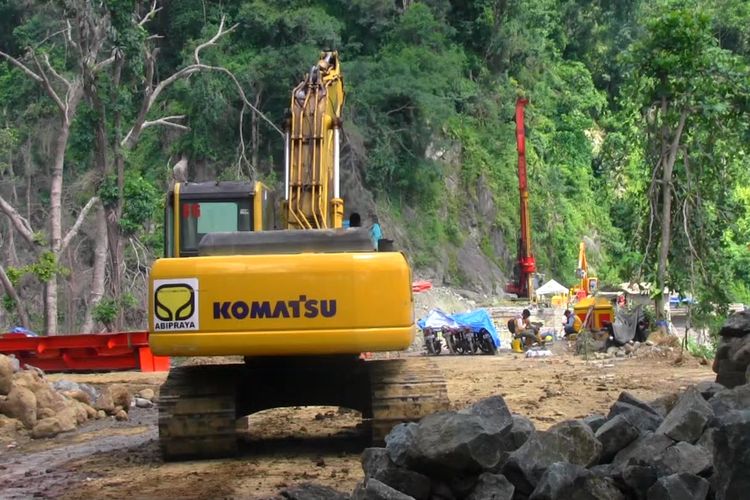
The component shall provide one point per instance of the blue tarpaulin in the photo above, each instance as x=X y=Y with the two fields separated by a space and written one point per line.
x=476 y=320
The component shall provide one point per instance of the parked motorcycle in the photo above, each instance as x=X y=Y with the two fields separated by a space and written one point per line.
x=432 y=342
x=483 y=342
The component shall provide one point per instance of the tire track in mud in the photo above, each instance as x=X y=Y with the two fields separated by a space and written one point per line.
x=42 y=474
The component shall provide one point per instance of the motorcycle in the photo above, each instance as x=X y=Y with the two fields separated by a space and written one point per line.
x=483 y=342
x=432 y=342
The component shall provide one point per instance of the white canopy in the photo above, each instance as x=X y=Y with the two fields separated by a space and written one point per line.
x=552 y=287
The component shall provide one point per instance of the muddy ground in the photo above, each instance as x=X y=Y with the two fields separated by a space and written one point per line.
x=110 y=460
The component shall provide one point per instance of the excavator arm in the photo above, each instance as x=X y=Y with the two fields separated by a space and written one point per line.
x=312 y=145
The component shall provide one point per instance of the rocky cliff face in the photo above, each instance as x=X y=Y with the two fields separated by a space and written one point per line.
x=474 y=258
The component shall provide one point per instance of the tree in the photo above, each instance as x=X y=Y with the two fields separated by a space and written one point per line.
x=688 y=99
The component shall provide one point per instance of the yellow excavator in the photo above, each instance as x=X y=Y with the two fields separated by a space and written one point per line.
x=300 y=304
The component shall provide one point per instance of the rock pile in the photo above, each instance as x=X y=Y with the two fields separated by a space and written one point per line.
x=693 y=445
x=732 y=361
x=30 y=404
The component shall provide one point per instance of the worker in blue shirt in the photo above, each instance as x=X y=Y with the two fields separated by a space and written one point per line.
x=375 y=232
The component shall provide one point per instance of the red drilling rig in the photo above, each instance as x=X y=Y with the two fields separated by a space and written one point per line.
x=525 y=266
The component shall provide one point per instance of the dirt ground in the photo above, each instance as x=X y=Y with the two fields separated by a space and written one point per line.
x=109 y=460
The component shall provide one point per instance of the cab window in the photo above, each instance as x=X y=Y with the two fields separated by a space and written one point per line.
x=198 y=218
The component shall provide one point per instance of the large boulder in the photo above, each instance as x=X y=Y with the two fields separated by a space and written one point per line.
x=688 y=418
x=520 y=432
x=679 y=487
x=372 y=489
x=708 y=389
x=595 y=421
x=456 y=442
x=21 y=404
x=6 y=374
x=639 y=413
x=684 y=457
x=491 y=487
x=570 y=441
x=731 y=456
x=737 y=325
x=494 y=413
x=400 y=441
x=309 y=491
x=557 y=480
x=645 y=450
x=728 y=400
x=615 y=435
x=638 y=479
x=376 y=464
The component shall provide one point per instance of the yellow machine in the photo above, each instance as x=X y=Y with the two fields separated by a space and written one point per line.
x=299 y=303
x=588 y=284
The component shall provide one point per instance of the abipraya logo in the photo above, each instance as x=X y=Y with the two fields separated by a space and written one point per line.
x=176 y=304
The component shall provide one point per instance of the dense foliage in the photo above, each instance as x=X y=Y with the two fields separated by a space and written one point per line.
x=614 y=87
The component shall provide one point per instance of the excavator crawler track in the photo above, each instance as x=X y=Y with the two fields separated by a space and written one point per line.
x=197 y=412
x=404 y=390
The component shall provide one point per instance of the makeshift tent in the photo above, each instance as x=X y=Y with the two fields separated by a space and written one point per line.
x=476 y=320
x=552 y=287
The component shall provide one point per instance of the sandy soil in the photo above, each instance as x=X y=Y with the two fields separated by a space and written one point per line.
x=108 y=459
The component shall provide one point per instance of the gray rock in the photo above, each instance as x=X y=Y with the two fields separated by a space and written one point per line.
x=376 y=464
x=143 y=403
x=688 y=418
x=310 y=491
x=571 y=441
x=399 y=441
x=664 y=404
x=741 y=355
x=595 y=421
x=493 y=411
x=615 y=435
x=729 y=377
x=708 y=389
x=737 y=325
x=492 y=487
x=605 y=470
x=684 y=457
x=441 y=491
x=456 y=442
x=626 y=397
x=747 y=375
x=727 y=400
x=595 y=488
x=520 y=431
x=707 y=439
x=638 y=479
x=679 y=487
x=557 y=481
x=372 y=489
x=731 y=455
x=638 y=417
x=643 y=451
x=66 y=385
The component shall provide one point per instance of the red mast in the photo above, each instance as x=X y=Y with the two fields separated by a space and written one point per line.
x=523 y=284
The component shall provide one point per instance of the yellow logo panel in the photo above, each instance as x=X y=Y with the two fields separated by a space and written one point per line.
x=176 y=304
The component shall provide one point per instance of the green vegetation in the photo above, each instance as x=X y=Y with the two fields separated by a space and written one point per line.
x=638 y=128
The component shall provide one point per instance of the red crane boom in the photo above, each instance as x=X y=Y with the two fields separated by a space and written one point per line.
x=525 y=267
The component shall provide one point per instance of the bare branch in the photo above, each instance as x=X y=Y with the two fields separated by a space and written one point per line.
x=219 y=33
x=77 y=225
x=55 y=73
x=103 y=64
x=50 y=89
x=167 y=122
x=21 y=66
x=150 y=14
x=69 y=33
x=19 y=221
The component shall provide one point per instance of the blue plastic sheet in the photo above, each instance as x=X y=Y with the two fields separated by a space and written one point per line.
x=476 y=320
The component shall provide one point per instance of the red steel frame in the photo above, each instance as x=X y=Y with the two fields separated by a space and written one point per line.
x=85 y=352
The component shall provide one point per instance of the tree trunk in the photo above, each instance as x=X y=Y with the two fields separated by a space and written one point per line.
x=100 y=265
x=668 y=162
x=55 y=214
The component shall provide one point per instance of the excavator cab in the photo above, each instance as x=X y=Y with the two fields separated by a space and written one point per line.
x=195 y=209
